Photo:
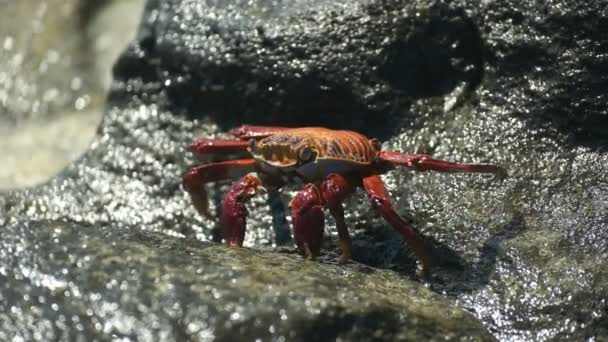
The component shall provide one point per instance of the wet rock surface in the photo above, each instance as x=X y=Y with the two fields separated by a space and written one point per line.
x=149 y=286
x=111 y=247
x=55 y=66
x=42 y=62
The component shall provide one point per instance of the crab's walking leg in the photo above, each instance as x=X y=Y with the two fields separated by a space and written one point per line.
x=381 y=202
x=335 y=189
x=308 y=220
x=195 y=179
x=210 y=146
x=234 y=212
x=423 y=162
x=246 y=131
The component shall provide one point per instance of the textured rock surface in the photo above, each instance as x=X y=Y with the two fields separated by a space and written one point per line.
x=37 y=150
x=43 y=60
x=55 y=62
x=112 y=246
x=135 y=285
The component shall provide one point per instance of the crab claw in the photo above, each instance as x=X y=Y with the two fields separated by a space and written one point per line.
x=308 y=220
x=234 y=212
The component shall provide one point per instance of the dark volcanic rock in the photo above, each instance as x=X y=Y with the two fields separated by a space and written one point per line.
x=147 y=286
x=112 y=247
x=307 y=62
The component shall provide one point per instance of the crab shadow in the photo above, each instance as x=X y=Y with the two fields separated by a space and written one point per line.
x=452 y=274
x=382 y=248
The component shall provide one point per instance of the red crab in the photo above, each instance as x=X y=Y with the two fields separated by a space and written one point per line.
x=330 y=164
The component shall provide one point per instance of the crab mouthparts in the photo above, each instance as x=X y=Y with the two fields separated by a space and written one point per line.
x=276 y=155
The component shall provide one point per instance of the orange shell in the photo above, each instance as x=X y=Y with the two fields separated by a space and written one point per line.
x=283 y=147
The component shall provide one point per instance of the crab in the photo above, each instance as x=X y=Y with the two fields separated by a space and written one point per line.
x=329 y=165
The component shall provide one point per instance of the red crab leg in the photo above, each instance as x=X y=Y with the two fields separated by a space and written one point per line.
x=210 y=146
x=382 y=203
x=308 y=220
x=234 y=212
x=246 y=131
x=194 y=179
x=423 y=162
x=335 y=189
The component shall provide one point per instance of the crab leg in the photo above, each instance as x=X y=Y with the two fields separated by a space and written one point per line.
x=423 y=162
x=308 y=220
x=234 y=212
x=246 y=132
x=194 y=179
x=382 y=203
x=335 y=189
x=210 y=146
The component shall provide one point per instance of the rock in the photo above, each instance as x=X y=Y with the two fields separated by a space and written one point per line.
x=55 y=62
x=110 y=29
x=43 y=61
x=39 y=149
x=97 y=281
x=112 y=246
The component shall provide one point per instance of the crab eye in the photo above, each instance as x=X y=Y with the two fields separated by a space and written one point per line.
x=376 y=144
x=305 y=154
